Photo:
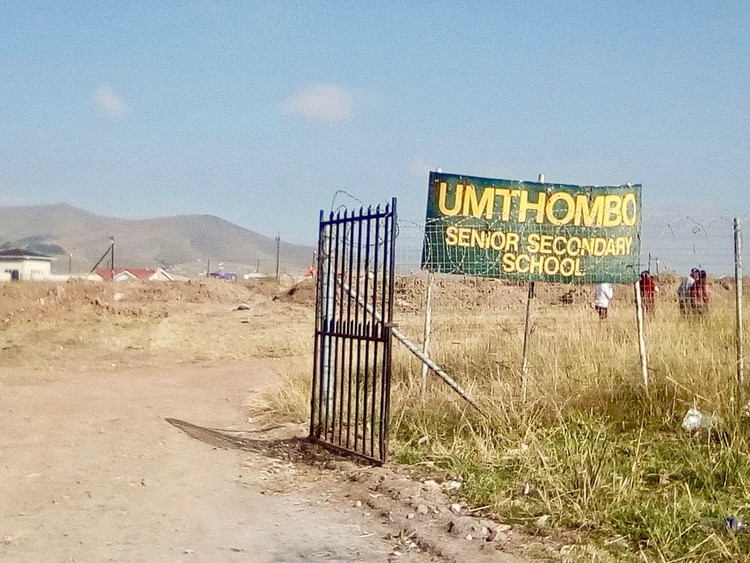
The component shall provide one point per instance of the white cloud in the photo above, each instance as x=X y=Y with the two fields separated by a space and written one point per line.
x=109 y=101
x=323 y=103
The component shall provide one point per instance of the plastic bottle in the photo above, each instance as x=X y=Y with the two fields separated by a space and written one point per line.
x=731 y=524
x=735 y=524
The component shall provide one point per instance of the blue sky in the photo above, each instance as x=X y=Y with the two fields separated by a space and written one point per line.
x=259 y=112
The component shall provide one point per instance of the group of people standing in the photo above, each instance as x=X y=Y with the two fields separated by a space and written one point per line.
x=693 y=294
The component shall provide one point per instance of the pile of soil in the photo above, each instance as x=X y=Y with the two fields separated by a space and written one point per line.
x=302 y=292
x=83 y=300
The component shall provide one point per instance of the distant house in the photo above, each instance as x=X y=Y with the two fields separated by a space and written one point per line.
x=17 y=264
x=131 y=274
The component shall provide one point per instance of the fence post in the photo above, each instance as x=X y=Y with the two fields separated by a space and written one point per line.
x=427 y=330
x=641 y=337
x=738 y=302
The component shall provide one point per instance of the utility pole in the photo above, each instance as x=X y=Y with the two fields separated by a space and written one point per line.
x=278 y=253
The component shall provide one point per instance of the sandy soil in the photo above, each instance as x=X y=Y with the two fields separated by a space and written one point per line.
x=158 y=459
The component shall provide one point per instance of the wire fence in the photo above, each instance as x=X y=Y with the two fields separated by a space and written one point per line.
x=484 y=321
x=669 y=244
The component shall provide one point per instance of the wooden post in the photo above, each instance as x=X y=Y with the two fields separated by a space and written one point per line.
x=738 y=302
x=427 y=330
x=641 y=337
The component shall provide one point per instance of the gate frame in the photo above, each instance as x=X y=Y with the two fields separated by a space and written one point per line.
x=347 y=321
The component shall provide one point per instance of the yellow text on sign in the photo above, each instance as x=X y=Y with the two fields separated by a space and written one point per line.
x=558 y=208
x=536 y=243
x=476 y=238
x=542 y=264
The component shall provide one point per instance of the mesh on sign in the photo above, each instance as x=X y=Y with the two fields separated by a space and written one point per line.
x=530 y=231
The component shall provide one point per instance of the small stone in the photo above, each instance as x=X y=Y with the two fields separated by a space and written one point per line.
x=469 y=537
x=431 y=486
x=452 y=485
x=358 y=504
x=500 y=538
x=542 y=521
x=455 y=507
x=410 y=516
x=422 y=509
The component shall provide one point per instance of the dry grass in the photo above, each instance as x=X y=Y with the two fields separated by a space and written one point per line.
x=581 y=444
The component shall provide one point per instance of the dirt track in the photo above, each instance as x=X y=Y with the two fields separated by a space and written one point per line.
x=118 y=444
x=92 y=471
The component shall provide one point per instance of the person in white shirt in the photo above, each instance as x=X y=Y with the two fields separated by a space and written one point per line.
x=684 y=291
x=603 y=295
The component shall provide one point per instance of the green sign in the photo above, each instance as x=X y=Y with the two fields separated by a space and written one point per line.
x=532 y=231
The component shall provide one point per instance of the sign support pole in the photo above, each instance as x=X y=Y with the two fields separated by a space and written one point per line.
x=527 y=328
x=526 y=337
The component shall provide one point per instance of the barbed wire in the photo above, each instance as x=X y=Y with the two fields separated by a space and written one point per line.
x=669 y=243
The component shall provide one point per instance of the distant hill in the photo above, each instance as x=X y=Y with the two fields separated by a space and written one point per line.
x=184 y=244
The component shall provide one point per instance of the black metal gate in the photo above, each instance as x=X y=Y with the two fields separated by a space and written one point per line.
x=353 y=325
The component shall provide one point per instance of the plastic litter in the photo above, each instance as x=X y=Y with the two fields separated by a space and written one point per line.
x=731 y=524
x=695 y=420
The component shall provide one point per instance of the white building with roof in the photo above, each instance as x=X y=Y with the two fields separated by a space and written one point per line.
x=17 y=264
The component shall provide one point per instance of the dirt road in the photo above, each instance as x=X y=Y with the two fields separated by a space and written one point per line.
x=91 y=470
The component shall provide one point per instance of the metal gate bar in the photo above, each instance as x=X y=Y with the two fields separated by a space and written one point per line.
x=350 y=399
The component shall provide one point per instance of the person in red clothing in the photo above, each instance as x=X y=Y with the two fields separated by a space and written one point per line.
x=648 y=289
x=700 y=293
